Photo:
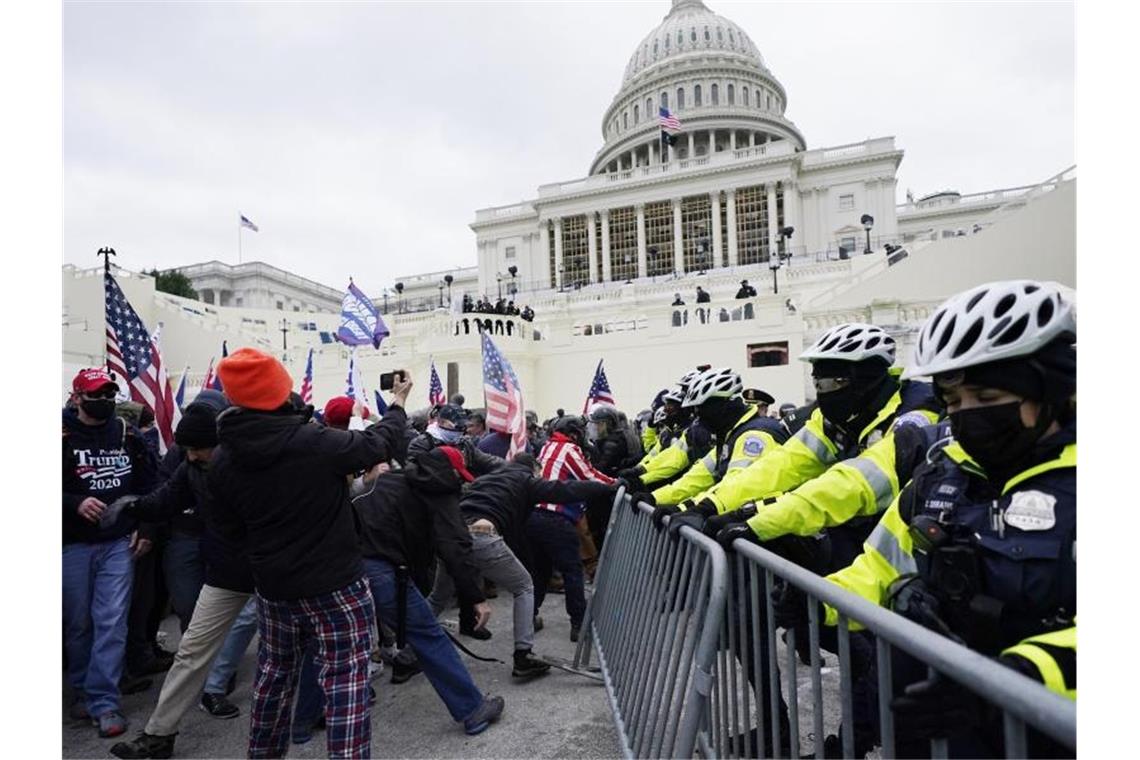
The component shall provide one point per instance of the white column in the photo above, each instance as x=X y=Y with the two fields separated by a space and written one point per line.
x=544 y=244
x=712 y=141
x=751 y=139
x=773 y=236
x=732 y=139
x=592 y=246
x=641 y=255
x=606 y=274
x=692 y=150
x=730 y=200
x=716 y=238
x=558 y=251
x=678 y=238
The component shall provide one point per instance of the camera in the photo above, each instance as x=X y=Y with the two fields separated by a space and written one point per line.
x=388 y=379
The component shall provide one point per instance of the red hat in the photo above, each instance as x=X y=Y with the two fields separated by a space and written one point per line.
x=456 y=457
x=338 y=411
x=255 y=380
x=92 y=379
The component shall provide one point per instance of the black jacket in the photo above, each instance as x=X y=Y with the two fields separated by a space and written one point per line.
x=507 y=498
x=105 y=461
x=478 y=462
x=612 y=453
x=411 y=515
x=281 y=484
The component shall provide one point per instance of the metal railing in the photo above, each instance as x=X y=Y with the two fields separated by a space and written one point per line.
x=652 y=620
x=750 y=638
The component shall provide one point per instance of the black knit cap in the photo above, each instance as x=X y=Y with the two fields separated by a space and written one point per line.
x=198 y=428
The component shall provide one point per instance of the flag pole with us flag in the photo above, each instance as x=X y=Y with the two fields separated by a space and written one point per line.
x=243 y=222
x=669 y=124
x=502 y=395
x=435 y=387
x=600 y=392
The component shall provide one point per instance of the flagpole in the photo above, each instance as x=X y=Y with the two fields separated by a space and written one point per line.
x=239 y=239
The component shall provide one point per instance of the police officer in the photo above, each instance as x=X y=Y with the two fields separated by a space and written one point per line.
x=981 y=545
x=685 y=449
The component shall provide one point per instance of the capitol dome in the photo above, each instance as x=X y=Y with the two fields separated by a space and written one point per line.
x=709 y=73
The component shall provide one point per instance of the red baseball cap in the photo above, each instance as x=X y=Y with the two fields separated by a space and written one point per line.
x=338 y=411
x=92 y=379
x=456 y=458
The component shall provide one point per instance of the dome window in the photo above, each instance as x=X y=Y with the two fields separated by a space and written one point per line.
x=680 y=98
x=708 y=37
x=719 y=34
x=625 y=120
x=680 y=38
x=693 y=34
x=731 y=38
x=731 y=95
x=636 y=114
x=744 y=96
x=649 y=108
x=654 y=49
x=666 y=43
x=714 y=95
x=664 y=100
x=696 y=95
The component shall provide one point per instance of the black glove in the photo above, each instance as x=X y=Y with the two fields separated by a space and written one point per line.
x=717 y=523
x=111 y=514
x=631 y=472
x=660 y=513
x=789 y=607
x=632 y=478
x=934 y=709
x=737 y=530
x=639 y=496
x=693 y=518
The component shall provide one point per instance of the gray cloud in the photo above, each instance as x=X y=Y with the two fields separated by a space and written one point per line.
x=362 y=137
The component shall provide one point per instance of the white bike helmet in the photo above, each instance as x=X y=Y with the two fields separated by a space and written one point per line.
x=852 y=342
x=659 y=416
x=675 y=396
x=688 y=379
x=714 y=383
x=992 y=322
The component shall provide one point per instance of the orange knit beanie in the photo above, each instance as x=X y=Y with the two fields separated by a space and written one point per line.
x=255 y=380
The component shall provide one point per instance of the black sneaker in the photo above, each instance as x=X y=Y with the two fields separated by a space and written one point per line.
x=526 y=665
x=575 y=632
x=402 y=672
x=486 y=714
x=538 y=624
x=144 y=746
x=476 y=633
x=218 y=706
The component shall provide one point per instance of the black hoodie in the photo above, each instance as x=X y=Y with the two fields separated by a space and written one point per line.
x=410 y=515
x=106 y=461
x=281 y=484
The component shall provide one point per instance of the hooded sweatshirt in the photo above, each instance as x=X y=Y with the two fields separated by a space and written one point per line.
x=281 y=485
x=106 y=461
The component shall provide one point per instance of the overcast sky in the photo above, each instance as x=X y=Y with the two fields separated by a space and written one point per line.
x=362 y=137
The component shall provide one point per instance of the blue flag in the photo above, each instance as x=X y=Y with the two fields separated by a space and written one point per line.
x=360 y=321
x=217 y=384
x=381 y=407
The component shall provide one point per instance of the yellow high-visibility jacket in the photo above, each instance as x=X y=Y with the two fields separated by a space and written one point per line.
x=1052 y=657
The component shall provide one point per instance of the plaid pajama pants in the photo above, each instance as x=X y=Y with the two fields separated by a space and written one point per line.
x=339 y=623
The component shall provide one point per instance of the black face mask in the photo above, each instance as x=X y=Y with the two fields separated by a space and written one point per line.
x=98 y=408
x=720 y=416
x=841 y=406
x=995 y=437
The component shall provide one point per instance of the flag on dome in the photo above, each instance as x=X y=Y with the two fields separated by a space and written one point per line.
x=133 y=355
x=503 y=397
x=600 y=392
x=360 y=320
x=247 y=224
x=307 y=382
x=667 y=120
x=435 y=388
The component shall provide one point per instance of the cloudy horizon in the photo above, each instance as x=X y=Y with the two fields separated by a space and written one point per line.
x=362 y=137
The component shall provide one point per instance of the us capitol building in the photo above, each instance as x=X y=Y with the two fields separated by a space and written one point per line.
x=738 y=195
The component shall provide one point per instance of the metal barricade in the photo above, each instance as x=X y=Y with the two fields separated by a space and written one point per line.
x=747 y=667
x=653 y=620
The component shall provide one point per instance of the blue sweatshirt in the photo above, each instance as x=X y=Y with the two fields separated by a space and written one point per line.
x=106 y=461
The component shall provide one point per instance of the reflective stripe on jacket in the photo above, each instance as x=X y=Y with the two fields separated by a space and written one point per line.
x=1054 y=657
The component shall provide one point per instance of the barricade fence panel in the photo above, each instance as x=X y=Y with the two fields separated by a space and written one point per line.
x=694 y=663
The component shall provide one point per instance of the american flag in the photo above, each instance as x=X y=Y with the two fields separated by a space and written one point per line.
x=247 y=224
x=307 y=383
x=134 y=356
x=668 y=120
x=208 y=380
x=435 y=388
x=600 y=392
x=503 y=397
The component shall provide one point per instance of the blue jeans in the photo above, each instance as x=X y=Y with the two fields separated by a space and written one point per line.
x=236 y=643
x=185 y=574
x=96 y=598
x=554 y=544
x=436 y=653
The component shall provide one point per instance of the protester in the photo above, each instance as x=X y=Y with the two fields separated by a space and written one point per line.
x=283 y=485
x=476 y=426
x=746 y=290
x=104 y=458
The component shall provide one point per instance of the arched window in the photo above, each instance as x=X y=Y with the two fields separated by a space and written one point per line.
x=654 y=49
x=666 y=43
x=649 y=108
x=680 y=38
x=715 y=95
x=731 y=95
x=744 y=96
x=696 y=95
x=707 y=35
x=693 y=36
x=664 y=100
x=719 y=34
x=636 y=114
x=680 y=98
x=731 y=38
x=625 y=120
